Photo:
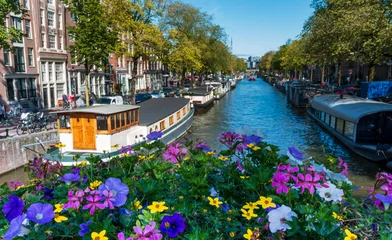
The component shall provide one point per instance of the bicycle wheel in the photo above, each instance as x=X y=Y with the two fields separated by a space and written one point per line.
x=32 y=128
x=20 y=129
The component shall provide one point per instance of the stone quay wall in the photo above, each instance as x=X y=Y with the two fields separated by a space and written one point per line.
x=12 y=154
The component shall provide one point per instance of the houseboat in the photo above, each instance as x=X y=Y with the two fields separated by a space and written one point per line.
x=219 y=88
x=201 y=97
x=365 y=126
x=93 y=130
x=233 y=83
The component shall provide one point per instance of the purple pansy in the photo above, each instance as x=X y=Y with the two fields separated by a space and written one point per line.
x=126 y=149
x=154 y=135
x=48 y=194
x=16 y=228
x=172 y=225
x=13 y=208
x=296 y=153
x=386 y=200
x=84 y=229
x=252 y=139
x=203 y=147
x=225 y=207
x=119 y=190
x=40 y=213
x=69 y=178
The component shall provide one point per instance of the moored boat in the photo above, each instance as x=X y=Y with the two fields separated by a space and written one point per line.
x=94 y=130
x=252 y=79
x=363 y=125
x=219 y=88
x=201 y=97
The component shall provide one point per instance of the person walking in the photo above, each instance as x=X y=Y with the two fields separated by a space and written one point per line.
x=65 y=102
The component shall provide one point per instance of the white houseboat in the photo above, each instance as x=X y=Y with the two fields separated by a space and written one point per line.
x=93 y=130
x=365 y=126
x=219 y=88
x=201 y=97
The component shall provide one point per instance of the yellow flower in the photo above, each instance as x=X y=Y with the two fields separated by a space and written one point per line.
x=187 y=158
x=95 y=184
x=211 y=153
x=243 y=177
x=250 y=145
x=350 y=236
x=157 y=207
x=59 y=218
x=251 y=206
x=137 y=205
x=181 y=198
x=335 y=215
x=248 y=234
x=59 y=208
x=223 y=158
x=142 y=157
x=205 y=211
x=115 y=146
x=266 y=202
x=214 y=201
x=81 y=164
x=60 y=145
x=49 y=232
x=99 y=236
x=232 y=234
x=151 y=156
x=255 y=148
x=248 y=214
x=19 y=187
x=229 y=219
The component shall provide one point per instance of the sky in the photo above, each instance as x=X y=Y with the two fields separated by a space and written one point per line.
x=257 y=26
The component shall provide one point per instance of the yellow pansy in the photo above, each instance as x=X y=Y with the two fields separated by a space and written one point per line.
x=255 y=148
x=214 y=201
x=232 y=234
x=350 y=235
x=211 y=153
x=59 y=208
x=59 y=218
x=99 y=236
x=248 y=235
x=137 y=205
x=266 y=202
x=115 y=146
x=95 y=184
x=223 y=158
x=335 y=215
x=250 y=206
x=60 y=145
x=157 y=207
x=142 y=157
x=248 y=214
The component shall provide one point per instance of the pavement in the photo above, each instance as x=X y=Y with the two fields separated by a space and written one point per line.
x=11 y=124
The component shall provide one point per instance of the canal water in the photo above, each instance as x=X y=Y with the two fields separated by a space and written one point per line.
x=257 y=107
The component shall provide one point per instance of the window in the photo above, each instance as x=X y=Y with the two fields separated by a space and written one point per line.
x=59 y=72
x=74 y=60
x=50 y=72
x=60 y=42
x=102 y=122
x=72 y=16
x=183 y=111
x=41 y=14
x=43 y=40
x=112 y=123
x=43 y=71
x=332 y=123
x=19 y=60
x=16 y=23
x=122 y=119
x=50 y=18
x=178 y=115
x=30 y=57
x=171 y=120
x=339 y=125
x=32 y=87
x=349 y=129
x=133 y=116
x=59 y=21
x=64 y=122
x=26 y=4
x=6 y=57
x=52 y=41
x=21 y=86
x=28 y=30
x=129 y=117
x=71 y=37
x=322 y=116
x=327 y=118
x=10 y=89
x=137 y=116
x=50 y=1
x=118 y=118
x=162 y=125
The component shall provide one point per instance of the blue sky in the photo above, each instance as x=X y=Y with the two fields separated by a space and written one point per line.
x=257 y=26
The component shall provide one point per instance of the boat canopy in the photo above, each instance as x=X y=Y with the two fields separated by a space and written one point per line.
x=102 y=109
x=199 y=91
x=349 y=108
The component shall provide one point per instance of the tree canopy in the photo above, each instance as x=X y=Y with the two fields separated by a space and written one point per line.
x=10 y=34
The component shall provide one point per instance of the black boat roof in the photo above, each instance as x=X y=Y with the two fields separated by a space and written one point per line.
x=156 y=109
x=203 y=90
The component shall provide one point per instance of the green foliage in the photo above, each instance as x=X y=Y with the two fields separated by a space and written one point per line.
x=10 y=34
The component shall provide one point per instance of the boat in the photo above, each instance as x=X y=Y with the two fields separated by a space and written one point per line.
x=202 y=97
x=219 y=88
x=252 y=79
x=233 y=83
x=92 y=131
x=363 y=125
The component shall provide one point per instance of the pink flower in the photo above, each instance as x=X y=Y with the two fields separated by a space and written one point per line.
x=149 y=232
x=343 y=166
x=174 y=152
x=289 y=171
x=239 y=166
x=279 y=180
x=73 y=201
x=229 y=138
x=94 y=202
x=121 y=236
x=308 y=182
x=108 y=199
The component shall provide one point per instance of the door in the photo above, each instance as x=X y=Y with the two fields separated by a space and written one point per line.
x=83 y=131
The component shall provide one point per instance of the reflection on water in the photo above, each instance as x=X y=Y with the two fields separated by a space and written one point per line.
x=261 y=107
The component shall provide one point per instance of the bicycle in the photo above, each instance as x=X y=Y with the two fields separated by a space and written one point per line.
x=27 y=124
x=40 y=122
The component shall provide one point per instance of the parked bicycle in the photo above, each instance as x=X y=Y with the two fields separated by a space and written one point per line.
x=40 y=122
x=27 y=124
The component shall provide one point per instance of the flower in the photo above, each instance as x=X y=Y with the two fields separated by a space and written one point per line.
x=60 y=145
x=82 y=164
x=308 y=182
x=59 y=208
x=148 y=232
x=154 y=135
x=119 y=189
x=121 y=236
x=48 y=194
x=59 y=218
x=279 y=180
x=229 y=138
x=232 y=234
x=14 y=185
x=253 y=147
x=335 y=215
x=225 y=207
x=278 y=217
x=295 y=156
x=203 y=147
x=94 y=202
x=172 y=225
x=99 y=236
x=213 y=192
x=223 y=158
x=13 y=208
x=16 y=228
x=248 y=235
x=95 y=184
x=266 y=202
x=84 y=228
x=343 y=165
x=331 y=193
x=74 y=200
x=174 y=152
x=250 y=206
x=115 y=146
x=214 y=201
x=108 y=202
x=253 y=139
x=137 y=205
x=157 y=207
x=386 y=200
x=69 y=178
x=350 y=236
x=40 y=213
x=126 y=150
x=248 y=214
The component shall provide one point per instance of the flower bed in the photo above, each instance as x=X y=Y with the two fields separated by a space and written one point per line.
x=188 y=191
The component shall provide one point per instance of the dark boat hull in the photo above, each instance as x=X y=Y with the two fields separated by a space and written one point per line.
x=204 y=106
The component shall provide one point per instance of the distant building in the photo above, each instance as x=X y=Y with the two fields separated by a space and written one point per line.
x=252 y=62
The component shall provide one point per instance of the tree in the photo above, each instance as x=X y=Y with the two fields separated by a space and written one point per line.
x=94 y=39
x=266 y=62
x=11 y=34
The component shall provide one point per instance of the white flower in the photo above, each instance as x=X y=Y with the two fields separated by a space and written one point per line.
x=338 y=177
x=293 y=160
x=278 y=218
x=332 y=193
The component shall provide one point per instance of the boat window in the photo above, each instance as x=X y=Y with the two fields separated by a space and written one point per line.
x=112 y=123
x=366 y=130
x=327 y=118
x=178 y=115
x=102 y=122
x=137 y=115
x=317 y=113
x=122 y=119
x=339 y=125
x=322 y=116
x=349 y=129
x=150 y=130
x=333 y=121
x=133 y=116
x=162 y=125
x=386 y=132
x=171 y=120
x=129 y=117
x=65 y=122
x=118 y=118
x=183 y=111
x=156 y=128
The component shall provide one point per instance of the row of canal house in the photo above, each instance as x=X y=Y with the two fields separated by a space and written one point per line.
x=40 y=69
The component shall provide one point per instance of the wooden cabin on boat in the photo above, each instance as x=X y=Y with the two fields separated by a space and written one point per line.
x=201 y=97
x=365 y=126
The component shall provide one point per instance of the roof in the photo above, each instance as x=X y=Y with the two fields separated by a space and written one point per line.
x=102 y=109
x=204 y=90
x=155 y=109
x=349 y=108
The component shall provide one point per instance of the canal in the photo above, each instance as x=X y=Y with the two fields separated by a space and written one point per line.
x=257 y=107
